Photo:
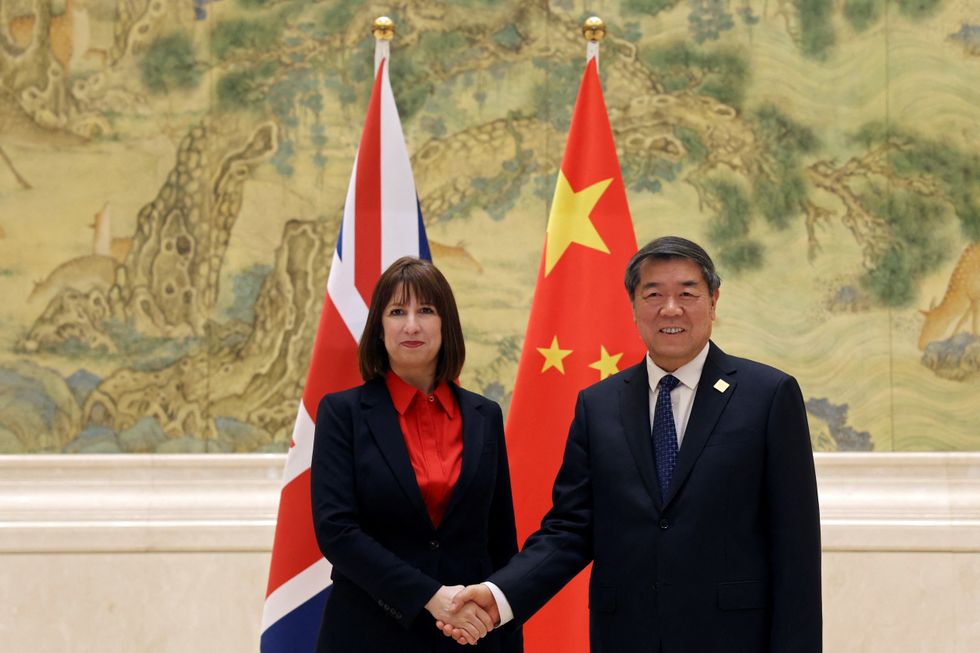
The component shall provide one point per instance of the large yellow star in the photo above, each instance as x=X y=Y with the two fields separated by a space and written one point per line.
x=554 y=356
x=569 y=220
x=607 y=365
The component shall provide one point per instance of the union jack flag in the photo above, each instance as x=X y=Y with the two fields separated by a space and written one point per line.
x=382 y=222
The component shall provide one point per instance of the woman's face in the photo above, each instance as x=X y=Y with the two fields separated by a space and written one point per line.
x=412 y=335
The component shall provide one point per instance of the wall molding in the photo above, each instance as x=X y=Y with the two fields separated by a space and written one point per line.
x=210 y=502
x=899 y=501
x=139 y=503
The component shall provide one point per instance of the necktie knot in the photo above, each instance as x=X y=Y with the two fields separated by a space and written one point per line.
x=669 y=382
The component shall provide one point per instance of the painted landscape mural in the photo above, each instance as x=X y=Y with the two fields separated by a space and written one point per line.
x=172 y=175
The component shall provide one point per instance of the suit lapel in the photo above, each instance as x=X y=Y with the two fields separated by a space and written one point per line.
x=709 y=403
x=382 y=420
x=473 y=437
x=634 y=407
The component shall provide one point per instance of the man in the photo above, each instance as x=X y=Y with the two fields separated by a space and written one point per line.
x=705 y=535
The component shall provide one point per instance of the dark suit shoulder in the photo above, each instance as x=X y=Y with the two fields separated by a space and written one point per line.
x=475 y=399
x=342 y=397
x=611 y=384
x=751 y=369
x=346 y=402
x=746 y=370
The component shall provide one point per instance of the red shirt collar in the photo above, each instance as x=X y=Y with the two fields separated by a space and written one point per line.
x=402 y=394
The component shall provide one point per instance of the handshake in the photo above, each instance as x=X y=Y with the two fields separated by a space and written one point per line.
x=466 y=614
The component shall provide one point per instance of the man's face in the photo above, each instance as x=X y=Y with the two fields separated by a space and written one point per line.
x=673 y=310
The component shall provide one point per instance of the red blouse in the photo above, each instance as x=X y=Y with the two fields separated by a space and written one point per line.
x=433 y=431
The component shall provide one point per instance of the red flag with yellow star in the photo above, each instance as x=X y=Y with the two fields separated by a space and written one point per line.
x=580 y=331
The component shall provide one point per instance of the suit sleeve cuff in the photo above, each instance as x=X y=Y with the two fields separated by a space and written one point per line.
x=503 y=606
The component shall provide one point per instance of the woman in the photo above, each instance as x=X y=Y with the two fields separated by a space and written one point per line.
x=410 y=483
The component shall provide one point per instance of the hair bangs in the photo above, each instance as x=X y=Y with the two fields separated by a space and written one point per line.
x=414 y=282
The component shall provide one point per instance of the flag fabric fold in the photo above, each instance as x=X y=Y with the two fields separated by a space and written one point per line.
x=580 y=331
x=382 y=221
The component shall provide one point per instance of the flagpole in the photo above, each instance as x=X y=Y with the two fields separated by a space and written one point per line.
x=383 y=29
x=382 y=221
x=594 y=30
x=570 y=344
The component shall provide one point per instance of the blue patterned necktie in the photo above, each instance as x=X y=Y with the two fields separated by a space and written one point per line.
x=665 y=434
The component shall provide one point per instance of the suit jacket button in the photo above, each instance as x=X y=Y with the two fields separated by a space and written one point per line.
x=664 y=524
x=656 y=587
x=433 y=544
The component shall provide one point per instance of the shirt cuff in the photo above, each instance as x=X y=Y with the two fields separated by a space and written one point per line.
x=503 y=606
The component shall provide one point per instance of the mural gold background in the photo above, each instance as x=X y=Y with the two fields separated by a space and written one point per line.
x=172 y=176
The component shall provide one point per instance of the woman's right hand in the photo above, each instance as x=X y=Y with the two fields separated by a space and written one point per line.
x=474 y=622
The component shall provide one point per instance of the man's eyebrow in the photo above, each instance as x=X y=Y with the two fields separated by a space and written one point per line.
x=685 y=283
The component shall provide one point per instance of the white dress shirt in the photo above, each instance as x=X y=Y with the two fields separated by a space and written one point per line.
x=682 y=396
x=681 y=401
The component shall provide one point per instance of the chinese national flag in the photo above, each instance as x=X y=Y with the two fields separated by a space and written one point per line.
x=580 y=331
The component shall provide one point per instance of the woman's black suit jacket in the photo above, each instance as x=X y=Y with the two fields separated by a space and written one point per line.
x=372 y=525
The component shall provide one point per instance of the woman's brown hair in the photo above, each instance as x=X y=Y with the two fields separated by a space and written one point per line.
x=418 y=277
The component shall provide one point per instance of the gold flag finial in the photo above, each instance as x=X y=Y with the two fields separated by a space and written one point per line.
x=593 y=29
x=383 y=28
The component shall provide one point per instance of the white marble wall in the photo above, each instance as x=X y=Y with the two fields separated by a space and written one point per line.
x=170 y=553
x=60 y=602
x=901 y=602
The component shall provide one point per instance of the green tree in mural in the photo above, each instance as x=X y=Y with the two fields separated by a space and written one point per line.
x=773 y=187
x=816 y=27
x=648 y=6
x=277 y=59
x=916 y=246
x=816 y=35
x=708 y=19
x=721 y=73
x=242 y=36
x=169 y=65
x=730 y=226
x=898 y=196
x=918 y=8
x=862 y=14
x=780 y=193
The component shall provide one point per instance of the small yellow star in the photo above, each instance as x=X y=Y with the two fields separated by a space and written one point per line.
x=569 y=220
x=607 y=365
x=554 y=356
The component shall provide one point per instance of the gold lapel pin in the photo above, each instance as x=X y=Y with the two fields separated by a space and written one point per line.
x=721 y=385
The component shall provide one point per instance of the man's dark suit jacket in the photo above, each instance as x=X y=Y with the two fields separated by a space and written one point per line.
x=727 y=562
x=372 y=525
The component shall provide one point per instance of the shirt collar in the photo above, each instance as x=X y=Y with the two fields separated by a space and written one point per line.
x=689 y=373
x=402 y=394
